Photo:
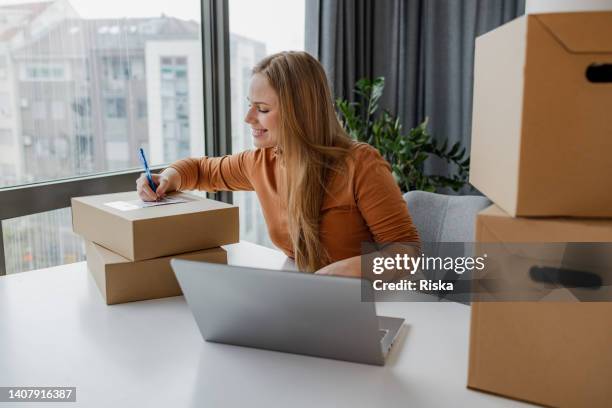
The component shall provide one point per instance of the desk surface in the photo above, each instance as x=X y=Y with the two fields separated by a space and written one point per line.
x=55 y=330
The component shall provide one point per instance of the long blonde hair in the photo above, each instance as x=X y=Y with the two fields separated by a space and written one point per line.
x=312 y=146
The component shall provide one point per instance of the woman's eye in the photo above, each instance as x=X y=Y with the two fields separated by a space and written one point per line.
x=258 y=109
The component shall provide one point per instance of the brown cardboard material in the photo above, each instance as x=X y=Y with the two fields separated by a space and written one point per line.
x=148 y=233
x=121 y=280
x=541 y=131
x=549 y=353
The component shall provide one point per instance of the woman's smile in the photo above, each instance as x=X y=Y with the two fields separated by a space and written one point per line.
x=258 y=132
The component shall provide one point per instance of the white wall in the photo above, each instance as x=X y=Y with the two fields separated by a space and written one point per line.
x=552 y=6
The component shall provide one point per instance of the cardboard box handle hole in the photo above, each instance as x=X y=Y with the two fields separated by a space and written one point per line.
x=599 y=73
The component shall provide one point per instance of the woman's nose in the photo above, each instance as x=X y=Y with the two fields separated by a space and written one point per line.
x=249 y=118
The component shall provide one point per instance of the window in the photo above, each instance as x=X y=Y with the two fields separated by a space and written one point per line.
x=95 y=81
x=87 y=106
x=255 y=33
x=85 y=148
x=40 y=240
x=115 y=107
x=43 y=72
x=82 y=106
x=115 y=68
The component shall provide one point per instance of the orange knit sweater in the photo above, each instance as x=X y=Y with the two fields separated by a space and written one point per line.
x=365 y=204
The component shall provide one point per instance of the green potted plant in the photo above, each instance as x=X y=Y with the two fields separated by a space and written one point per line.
x=406 y=153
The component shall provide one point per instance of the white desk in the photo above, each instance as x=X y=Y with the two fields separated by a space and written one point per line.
x=55 y=330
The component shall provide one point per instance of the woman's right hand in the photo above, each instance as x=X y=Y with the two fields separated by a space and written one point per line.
x=166 y=182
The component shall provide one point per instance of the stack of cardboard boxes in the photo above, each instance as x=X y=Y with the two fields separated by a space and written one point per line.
x=129 y=246
x=542 y=152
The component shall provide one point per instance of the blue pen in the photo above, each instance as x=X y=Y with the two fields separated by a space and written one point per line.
x=143 y=159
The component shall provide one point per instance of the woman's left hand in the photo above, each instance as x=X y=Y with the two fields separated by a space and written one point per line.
x=350 y=267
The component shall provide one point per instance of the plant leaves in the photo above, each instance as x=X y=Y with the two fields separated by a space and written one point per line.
x=407 y=152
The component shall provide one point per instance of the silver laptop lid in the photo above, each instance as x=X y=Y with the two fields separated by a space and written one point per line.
x=284 y=311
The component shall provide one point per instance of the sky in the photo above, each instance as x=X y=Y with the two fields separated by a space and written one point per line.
x=278 y=23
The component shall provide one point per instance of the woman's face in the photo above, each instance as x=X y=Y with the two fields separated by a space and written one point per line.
x=263 y=113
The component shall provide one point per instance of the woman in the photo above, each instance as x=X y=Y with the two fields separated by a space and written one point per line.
x=321 y=193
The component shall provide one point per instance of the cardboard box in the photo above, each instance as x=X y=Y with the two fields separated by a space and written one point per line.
x=549 y=353
x=121 y=280
x=541 y=130
x=153 y=232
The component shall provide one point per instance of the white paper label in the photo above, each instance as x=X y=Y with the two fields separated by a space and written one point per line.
x=136 y=204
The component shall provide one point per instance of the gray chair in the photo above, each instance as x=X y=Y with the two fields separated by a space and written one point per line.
x=440 y=219
x=444 y=218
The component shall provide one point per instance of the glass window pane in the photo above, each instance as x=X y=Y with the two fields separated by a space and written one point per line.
x=82 y=87
x=99 y=70
x=255 y=33
x=40 y=241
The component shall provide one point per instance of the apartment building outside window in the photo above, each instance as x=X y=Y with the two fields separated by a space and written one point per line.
x=78 y=91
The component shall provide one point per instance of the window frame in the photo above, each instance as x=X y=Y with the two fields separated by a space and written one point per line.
x=25 y=200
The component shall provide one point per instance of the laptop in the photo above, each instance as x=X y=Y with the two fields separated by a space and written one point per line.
x=292 y=312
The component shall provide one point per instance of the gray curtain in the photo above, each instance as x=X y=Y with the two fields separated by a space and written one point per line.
x=423 y=48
